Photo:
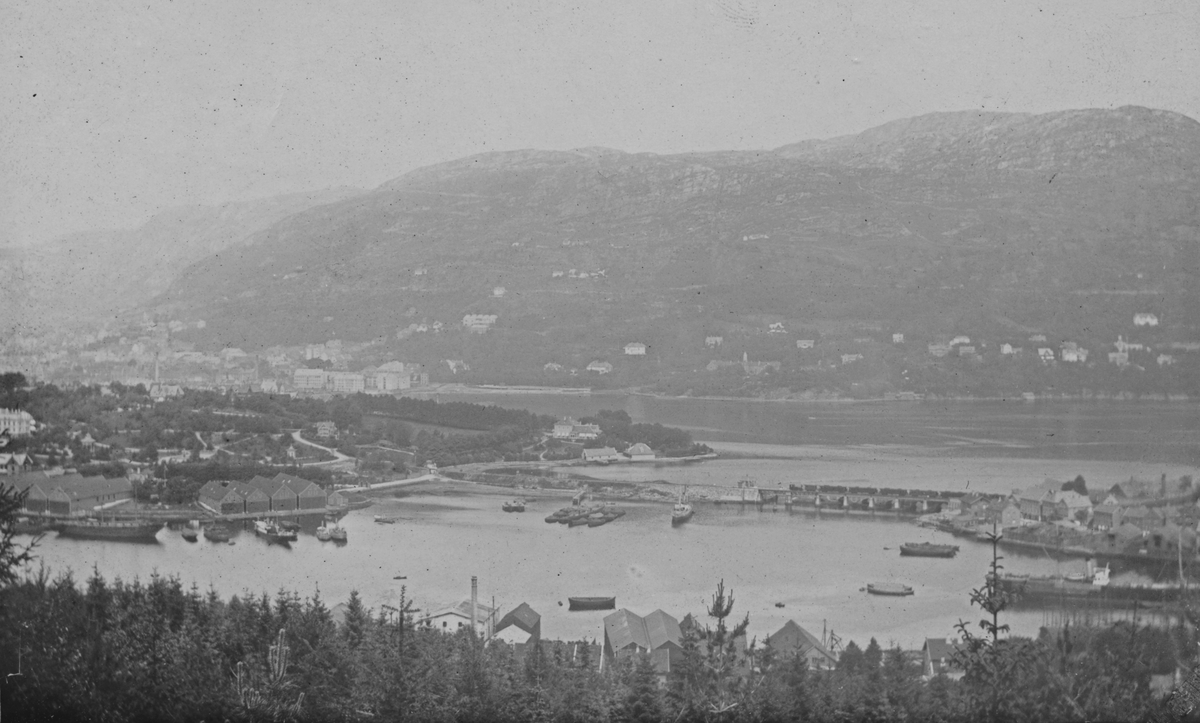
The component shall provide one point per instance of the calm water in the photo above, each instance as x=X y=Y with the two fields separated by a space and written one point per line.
x=816 y=566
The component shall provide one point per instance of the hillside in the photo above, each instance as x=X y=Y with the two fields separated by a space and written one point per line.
x=949 y=223
x=92 y=276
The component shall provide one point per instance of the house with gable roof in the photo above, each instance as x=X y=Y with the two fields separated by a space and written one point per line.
x=938 y=658
x=792 y=640
x=522 y=625
x=657 y=635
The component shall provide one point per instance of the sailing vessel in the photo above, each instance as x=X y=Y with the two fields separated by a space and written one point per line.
x=682 y=511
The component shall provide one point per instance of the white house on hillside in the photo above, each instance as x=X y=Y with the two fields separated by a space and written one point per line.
x=635 y=349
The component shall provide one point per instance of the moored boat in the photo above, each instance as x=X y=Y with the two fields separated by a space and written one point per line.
x=31 y=526
x=93 y=529
x=927 y=549
x=190 y=534
x=269 y=530
x=337 y=533
x=514 y=506
x=682 y=511
x=381 y=520
x=889 y=588
x=324 y=534
x=592 y=603
x=1093 y=587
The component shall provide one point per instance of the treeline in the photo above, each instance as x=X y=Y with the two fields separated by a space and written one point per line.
x=620 y=432
x=152 y=650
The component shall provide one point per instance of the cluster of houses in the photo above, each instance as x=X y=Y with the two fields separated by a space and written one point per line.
x=658 y=635
x=282 y=492
x=389 y=377
x=70 y=494
x=1135 y=515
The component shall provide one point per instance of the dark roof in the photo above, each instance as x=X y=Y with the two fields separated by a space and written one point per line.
x=792 y=638
x=941 y=652
x=522 y=616
x=655 y=630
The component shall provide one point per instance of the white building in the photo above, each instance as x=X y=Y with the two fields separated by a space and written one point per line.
x=713 y=341
x=806 y=343
x=635 y=349
x=640 y=452
x=311 y=380
x=600 y=367
x=451 y=619
x=346 y=382
x=1145 y=319
x=479 y=323
x=897 y=338
x=17 y=422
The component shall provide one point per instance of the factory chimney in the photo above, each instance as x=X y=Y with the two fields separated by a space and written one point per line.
x=474 y=602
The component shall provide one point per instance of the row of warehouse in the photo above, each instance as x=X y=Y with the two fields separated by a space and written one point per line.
x=71 y=493
x=283 y=492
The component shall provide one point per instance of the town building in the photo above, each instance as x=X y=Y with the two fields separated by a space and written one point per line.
x=938 y=350
x=345 y=382
x=806 y=343
x=713 y=341
x=568 y=428
x=635 y=349
x=1106 y=517
x=792 y=640
x=326 y=429
x=1145 y=319
x=308 y=380
x=16 y=422
x=897 y=338
x=15 y=463
x=222 y=497
x=479 y=323
x=851 y=358
x=72 y=493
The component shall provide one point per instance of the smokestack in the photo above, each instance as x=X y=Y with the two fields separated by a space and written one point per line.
x=474 y=601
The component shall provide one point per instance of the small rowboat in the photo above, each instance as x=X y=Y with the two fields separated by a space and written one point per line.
x=592 y=603
x=190 y=534
x=889 y=588
x=381 y=520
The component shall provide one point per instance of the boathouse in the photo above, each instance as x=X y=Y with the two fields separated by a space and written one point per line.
x=309 y=495
x=74 y=494
x=640 y=452
x=222 y=497
x=257 y=501
x=337 y=498
x=520 y=625
x=791 y=640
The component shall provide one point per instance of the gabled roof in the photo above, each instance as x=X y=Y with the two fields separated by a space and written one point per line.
x=657 y=629
x=217 y=489
x=941 y=652
x=792 y=638
x=639 y=448
x=463 y=610
x=523 y=617
x=1040 y=492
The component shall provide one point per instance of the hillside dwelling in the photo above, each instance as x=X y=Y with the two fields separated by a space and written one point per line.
x=1145 y=319
x=521 y=625
x=601 y=454
x=1120 y=358
x=326 y=429
x=939 y=350
x=1005 y=513
x=713 y=342
x=1075 y=356
x=479 y=323
x=635 y=349
x=499 y=292
x=1126 y=346
x=806 y=343
x=600 y=367
x=568 y=428
x=658 y=634
x=960 y=339
x=17 y=422
x=345 y=382
x=776 y=328
x=938 y=658
x=1070 y=505
x=1046 y=355
x=553 y=367
x=457 y=365
x=1038 y=338
x=792 y=640
x=640 y=452
x=1032 y=501
x=897 y=338
x=308 y=379
x=1008 y=349
x=222 y=497
x=966 y=350
x=851 y=358
x=1166 y=360
x=161 y=392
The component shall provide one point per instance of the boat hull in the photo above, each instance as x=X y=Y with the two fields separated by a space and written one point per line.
x=927 y=550
x=888 y=589
x=147 y=532
x=217 y=534
x=592 y=603
x=1041 y=591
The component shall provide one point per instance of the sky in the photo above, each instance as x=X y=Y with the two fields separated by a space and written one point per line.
x=114 y=111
